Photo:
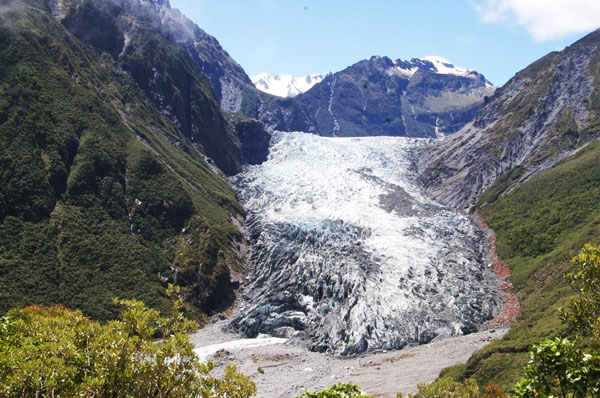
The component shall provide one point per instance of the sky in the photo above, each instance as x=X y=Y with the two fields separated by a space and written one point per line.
x=299 y=37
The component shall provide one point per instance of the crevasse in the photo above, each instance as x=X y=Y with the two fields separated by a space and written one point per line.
x=348 y=252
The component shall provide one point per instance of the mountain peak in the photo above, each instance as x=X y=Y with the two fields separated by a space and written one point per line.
x=445 y=67
x=286 y=85
x=436 y=59
x=591 y=39
x=429 y=63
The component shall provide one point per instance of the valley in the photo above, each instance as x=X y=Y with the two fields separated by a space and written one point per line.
x=352 y=268
x=386 y=224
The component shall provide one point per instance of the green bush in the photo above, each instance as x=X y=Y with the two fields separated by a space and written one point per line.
x=539 y=226
x=562 y=367
x=340 y=390
x=57 y=352
x=446 y=388
x=101 y=195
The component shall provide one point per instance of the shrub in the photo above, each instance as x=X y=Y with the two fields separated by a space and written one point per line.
x=340 y=390
x=559 y=368
x=563 y=367
x=55 y=351
x=446 y=388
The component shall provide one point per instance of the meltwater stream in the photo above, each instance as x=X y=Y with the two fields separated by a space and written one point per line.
x=349 y=253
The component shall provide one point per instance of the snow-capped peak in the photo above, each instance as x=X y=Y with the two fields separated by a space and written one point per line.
x=283 y=85
x=431 y=63
x=445 y=67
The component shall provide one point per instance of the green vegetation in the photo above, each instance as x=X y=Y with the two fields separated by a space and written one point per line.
x=340 y=390
x=539 y=227
x=562 y=136
x=177 y=86
x=558 y=367
x=94 y=23
x=541 y=223
x=102 y=196
x=564 y=368
x=448 y=388
x=57 y=352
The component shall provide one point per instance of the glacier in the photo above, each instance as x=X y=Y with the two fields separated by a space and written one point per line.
x=350 y=255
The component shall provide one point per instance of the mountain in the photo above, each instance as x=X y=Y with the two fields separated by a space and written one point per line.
x=528 y=165
x=166 y=55
x=286 y=85
x=111 y=140
x=541 y=116
x=426 y=97
x=369 y=98
x=230 y=85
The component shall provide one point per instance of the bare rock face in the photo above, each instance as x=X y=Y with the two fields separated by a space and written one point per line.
x=541 y=116
x=425 y=97
x=349 y=253
x=253 y=138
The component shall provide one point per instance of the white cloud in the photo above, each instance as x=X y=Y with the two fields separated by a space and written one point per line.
x=543 y=19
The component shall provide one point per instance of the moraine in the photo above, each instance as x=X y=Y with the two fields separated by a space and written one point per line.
x=349 y=253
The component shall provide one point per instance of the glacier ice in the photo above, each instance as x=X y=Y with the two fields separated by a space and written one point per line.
x=348 y=252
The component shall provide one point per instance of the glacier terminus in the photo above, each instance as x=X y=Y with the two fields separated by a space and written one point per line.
x=350 y=255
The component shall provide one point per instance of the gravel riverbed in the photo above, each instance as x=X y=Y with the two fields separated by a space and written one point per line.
x=283 y=368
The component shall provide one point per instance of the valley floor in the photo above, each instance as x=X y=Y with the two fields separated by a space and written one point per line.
x=286 y=368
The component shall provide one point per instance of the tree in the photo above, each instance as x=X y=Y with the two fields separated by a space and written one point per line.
x=58 y=352
x=584 y=310
x=563 y=367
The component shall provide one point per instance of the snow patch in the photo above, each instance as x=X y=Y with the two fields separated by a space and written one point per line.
x=236 y=345
x=283 y=85
x=445 y=67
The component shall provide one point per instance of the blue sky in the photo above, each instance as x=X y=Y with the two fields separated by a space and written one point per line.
x=495 y=37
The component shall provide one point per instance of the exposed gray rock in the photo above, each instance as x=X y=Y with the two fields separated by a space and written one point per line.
x=381 y=96
x=541 y=116
x=254 y=139
x=375 y=97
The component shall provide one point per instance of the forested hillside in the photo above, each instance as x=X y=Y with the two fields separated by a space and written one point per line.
x=103 y=194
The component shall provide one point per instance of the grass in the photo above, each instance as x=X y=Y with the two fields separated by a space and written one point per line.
x=539 y=226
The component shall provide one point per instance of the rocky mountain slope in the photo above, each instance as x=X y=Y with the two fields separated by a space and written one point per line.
x=104 y=136
x=230 y=84
x=425 y=97
x=528 y=164
x=541 y=116
x=113 y=139
x=370 y=98
x=282 y=85
x=540 y=226
x=166 y=55
x=422 y=97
